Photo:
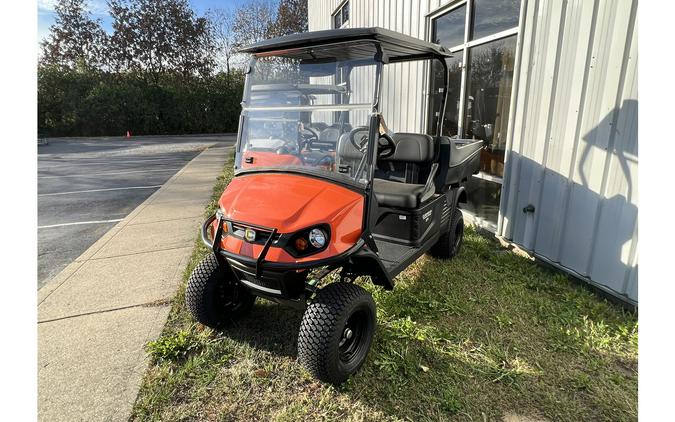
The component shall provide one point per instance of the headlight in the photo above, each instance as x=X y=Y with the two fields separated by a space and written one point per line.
x=317 y=238
x=308 y=241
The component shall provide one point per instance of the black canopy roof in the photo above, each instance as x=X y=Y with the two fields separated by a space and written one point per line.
x=348 y=43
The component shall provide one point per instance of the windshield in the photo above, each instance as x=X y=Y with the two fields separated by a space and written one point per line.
x=307 y=115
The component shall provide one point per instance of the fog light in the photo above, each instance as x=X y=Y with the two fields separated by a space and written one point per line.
x=317 y=238
x=301 y=244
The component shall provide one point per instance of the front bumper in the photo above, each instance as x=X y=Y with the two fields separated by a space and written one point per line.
x=276 y=279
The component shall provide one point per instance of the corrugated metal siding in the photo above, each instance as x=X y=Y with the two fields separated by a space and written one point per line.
x=403 y=93
x=320 y=13
x=573 y=135
x=574 y=144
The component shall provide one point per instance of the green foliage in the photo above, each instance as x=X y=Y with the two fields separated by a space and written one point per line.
x=153 y=74
x=159 y=36
x=291 y=18
x=173 y=347
x=90 y=103
x=75 y=40
x=154 y=36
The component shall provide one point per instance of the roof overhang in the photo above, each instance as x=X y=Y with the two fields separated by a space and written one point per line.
x=349 y=44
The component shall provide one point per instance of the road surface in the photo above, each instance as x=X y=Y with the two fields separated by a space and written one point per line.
x=87 y=185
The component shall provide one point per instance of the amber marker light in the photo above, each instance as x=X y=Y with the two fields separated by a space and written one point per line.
x=301 y=244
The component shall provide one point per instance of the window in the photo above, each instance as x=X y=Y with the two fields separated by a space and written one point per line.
x=345 y=13
x=448 y=29
x=493 y=16
x=341 y=15
x=479 y=90
x=488 y=96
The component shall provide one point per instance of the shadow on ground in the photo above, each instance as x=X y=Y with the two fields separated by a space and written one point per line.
x=268 y=327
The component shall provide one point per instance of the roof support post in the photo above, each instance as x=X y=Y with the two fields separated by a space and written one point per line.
x=441 y=111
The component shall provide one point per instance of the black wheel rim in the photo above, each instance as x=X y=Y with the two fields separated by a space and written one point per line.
x=352 y=337
x=227 y=296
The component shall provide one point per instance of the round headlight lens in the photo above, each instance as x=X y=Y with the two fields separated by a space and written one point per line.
x=317 y=238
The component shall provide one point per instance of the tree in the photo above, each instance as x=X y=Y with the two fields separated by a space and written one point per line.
x=291 y=18
x=160 y=36
x=222 y=21
x=121 y=46
x=152 y=75
x=262 y=19
x=75 y=40
x=253 y=22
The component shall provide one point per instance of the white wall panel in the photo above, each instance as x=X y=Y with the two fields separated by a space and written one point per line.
x=574 y=144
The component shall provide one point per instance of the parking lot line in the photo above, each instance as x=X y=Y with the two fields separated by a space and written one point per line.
x=84 y=162
x=110 y=173
x=81 y=222
x=99 y=190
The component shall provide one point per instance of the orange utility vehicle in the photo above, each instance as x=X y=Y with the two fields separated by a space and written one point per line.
x=322 y=187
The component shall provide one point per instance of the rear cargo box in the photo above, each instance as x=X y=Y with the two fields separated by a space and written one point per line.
x=458 y=160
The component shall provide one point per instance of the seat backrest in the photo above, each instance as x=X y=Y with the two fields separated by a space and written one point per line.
x=346 y=151
x=347 y=155
x=319 y=126
x=329 y=135
x=412 y=148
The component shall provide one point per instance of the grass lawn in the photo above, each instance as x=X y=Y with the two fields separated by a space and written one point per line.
x=489 y=335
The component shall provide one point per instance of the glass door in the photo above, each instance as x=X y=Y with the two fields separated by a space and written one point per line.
x=481 y=34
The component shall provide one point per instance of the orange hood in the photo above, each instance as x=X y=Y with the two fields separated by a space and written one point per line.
x=291 y=202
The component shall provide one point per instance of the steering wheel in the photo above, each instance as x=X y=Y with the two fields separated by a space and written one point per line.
x=359 y=142
x=385 y=146
x=308 y=135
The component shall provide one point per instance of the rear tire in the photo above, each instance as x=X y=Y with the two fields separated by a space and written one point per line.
x=449 y=243
x=213 y=296
x=336 y=332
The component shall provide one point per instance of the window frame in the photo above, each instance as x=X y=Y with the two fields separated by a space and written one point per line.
x=464 y=49
x=339 y=12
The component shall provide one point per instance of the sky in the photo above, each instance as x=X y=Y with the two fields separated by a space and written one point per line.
x=99 y=10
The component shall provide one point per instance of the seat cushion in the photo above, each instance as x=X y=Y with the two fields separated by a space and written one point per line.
x=397 y=194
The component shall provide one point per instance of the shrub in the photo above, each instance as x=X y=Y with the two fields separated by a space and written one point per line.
x=94 y=103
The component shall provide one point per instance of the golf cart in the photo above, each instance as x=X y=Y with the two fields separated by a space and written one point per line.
x=322 y=187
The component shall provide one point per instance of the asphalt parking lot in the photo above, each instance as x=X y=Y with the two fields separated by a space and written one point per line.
x=87 y=185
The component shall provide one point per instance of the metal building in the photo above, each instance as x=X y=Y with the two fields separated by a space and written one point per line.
x=551 y=87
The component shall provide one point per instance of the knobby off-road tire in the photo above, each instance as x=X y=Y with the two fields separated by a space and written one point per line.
x=336 y=332
x=213 y=296
x=449 y=243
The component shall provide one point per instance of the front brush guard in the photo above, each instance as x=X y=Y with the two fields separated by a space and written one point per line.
x=360 y=258
x=215 y=246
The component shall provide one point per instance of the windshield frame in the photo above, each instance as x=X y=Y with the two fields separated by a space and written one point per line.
x=364 y=174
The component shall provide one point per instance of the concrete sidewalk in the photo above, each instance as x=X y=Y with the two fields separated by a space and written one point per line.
x=96 y=316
